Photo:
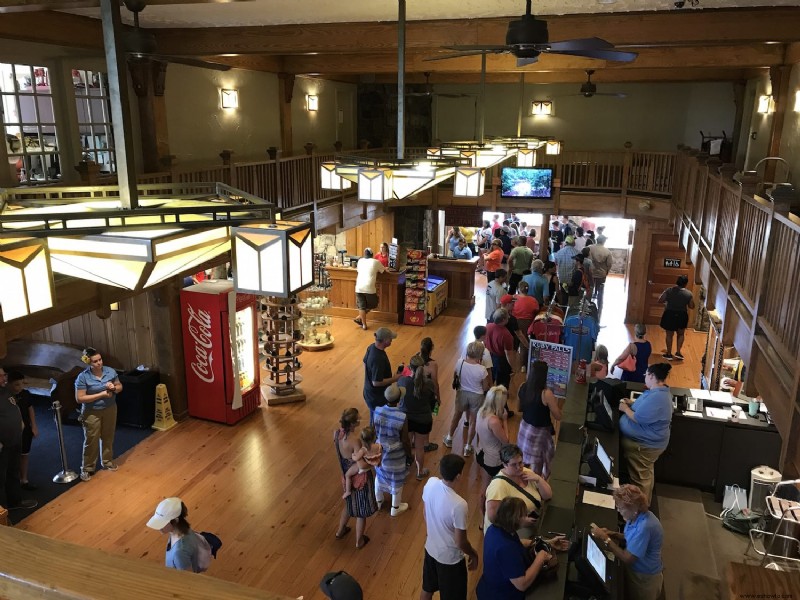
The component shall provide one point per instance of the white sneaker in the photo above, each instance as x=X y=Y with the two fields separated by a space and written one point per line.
x=399 y=510
x=522 y=369
x=468 y=450
x=447 y=441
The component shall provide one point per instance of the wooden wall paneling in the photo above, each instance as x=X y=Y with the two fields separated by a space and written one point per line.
x=791 y=464
x=767 y=381
x=717 y=294
x=736 y=332
x=167 y=343
x=637 y=272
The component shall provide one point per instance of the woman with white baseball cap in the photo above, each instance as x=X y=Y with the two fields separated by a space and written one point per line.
x=183 y=545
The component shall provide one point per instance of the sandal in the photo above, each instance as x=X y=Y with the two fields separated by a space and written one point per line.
x=364 y=541
x=423 y=474
x=431 y=447
x=340 y=535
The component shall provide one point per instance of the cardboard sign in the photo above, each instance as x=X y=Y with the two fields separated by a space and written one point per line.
x=559 y=362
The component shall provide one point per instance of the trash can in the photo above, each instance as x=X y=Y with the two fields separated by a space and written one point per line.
x=136 y=403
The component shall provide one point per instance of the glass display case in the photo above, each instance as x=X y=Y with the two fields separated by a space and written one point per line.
x=315 y=325
x=243 y=362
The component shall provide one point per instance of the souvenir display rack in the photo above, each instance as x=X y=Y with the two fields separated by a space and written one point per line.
x=416 y=282
x=280 y=334
x=315 y=325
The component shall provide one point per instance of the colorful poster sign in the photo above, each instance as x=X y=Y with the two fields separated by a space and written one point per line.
x=559 y=361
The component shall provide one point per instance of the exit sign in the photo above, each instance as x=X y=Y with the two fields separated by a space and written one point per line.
x=672 y=263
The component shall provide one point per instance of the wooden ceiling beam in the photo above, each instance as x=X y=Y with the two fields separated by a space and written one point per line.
x=670 y=75
x=47 y=27
x=754 y=55
x=250 y=62
x=649 y=29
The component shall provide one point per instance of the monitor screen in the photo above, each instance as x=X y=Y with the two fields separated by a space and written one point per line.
x=526 y=182
x=603 y=457
x=596 y=558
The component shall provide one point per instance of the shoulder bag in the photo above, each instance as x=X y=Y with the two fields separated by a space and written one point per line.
x=534 y=514
x=457 y=377
x=629 y=364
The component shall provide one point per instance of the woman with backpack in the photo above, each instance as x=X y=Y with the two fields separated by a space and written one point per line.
x=186 y=550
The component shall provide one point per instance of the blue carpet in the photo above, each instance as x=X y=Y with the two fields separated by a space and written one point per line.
x=45 y=457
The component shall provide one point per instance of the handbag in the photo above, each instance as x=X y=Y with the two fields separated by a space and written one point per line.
x=734 y=499
x=629 y=364
x=457 y=377
x=550 y=568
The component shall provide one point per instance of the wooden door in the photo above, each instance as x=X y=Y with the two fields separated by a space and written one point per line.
x=667 y=263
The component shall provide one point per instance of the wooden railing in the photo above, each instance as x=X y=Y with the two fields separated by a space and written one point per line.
x=753 y=247
x=293 y=182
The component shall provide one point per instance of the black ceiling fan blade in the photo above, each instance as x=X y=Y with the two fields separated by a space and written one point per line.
x=460 y=54
x=593 y=43
x=191 y=62
x=482 y=48
x=615 y=55
x=524 y=62
x=612 y=94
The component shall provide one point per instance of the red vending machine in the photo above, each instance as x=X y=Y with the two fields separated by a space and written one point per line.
x=220 y=346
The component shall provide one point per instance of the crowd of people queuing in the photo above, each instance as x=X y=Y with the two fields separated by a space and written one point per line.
x=515 y=485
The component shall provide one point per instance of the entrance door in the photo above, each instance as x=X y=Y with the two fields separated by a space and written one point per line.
x=667 y=263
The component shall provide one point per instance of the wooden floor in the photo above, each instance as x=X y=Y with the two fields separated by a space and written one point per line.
x=270 y=485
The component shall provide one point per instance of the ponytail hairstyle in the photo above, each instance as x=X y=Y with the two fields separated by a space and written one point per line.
x=349 y=419
x=425 y=349
x=180 y=523
x=88 y=353
x=417 y=363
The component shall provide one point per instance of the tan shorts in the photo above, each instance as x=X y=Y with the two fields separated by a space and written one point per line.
x=468 y=401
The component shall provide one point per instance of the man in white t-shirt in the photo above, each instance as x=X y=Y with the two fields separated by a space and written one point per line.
x=366 y=291
x=448 y=553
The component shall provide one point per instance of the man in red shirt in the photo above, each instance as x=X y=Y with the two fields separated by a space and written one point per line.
x=500 y=344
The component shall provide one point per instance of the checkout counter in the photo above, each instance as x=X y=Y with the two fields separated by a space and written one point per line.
x=707 y=450
x=460 y=277
x=390 y=287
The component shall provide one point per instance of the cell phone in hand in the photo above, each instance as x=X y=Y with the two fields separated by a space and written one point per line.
x=400 y=368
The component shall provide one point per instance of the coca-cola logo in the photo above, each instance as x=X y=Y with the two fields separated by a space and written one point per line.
x=199 y=326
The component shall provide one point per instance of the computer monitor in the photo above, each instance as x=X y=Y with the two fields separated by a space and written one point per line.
x=603 y=413
x=600 y=464
x=592 y=565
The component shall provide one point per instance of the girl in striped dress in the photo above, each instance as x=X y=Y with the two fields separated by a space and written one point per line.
x=392 y=429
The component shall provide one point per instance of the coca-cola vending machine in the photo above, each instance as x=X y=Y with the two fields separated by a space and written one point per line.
x=220 y=333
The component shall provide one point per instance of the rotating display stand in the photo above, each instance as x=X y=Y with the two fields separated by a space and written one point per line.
x=280 y=335
x=315 y=325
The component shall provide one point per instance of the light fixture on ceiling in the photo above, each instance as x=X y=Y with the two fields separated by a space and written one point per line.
x=136 y=259
x=553 y=147
x=329 y=180
x=273 y=259
x=374 y=184
x=470 y=182
x=312 y=102
x=542 y=108
x=766 y=104
x=526 y=157
x=27 y=280
x=229 y=98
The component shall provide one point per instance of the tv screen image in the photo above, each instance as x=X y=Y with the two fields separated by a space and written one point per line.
x=526 y=182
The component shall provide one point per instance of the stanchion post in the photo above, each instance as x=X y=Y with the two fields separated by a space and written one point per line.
x=65 y=476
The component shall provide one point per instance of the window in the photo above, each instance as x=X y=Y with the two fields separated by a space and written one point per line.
x=29 y=121
x=94 y=118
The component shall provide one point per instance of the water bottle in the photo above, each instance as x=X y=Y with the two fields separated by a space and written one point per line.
x=436 y=409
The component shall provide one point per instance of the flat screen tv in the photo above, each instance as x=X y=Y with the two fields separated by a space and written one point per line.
x=526 y=182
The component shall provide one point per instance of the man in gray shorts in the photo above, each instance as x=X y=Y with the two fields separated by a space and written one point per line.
x=366 y=288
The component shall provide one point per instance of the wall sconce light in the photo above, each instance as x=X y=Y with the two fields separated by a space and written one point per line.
x=553 y=147
x=542 y=108
x=766 y=104
x=229 y=98
x=312 y=102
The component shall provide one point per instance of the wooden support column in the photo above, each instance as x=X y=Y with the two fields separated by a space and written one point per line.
x=285 y=92
x=149 y=78
x=779 y=76
x=165 y=325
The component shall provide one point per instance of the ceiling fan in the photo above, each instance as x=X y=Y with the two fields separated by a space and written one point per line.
x=527 y=38
x=589 y=88
x=141 y=43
